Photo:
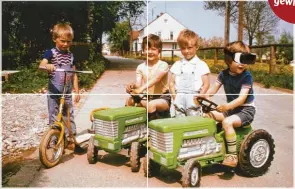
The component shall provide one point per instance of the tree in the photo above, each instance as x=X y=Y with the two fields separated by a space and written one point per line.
x=259 y=21
x=285 y=54
x=224 y=8
x=240 y=21
x=118 y=37
x=131 y=11
x=27 y=24
x=103 y=16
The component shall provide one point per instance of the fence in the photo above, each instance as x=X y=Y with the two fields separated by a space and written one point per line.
x=272 y=50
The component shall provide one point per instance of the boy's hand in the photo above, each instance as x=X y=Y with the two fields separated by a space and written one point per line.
x=129 y=88
x=222 y=108
x=197 y=96
x=50 y=67
x=77 y=98
x=136 y=91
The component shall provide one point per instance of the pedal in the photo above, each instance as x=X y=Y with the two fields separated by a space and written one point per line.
x=83 y=137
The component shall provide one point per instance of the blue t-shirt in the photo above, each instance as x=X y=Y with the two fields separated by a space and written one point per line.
x=234 y=83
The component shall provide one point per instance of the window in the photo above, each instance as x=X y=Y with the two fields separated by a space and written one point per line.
x=174 y=46
x=171 y=35
x=159 y=34
x=165 y=20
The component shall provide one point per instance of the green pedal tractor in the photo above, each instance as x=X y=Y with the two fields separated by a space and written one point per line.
x=190 y=143
x=116 y=129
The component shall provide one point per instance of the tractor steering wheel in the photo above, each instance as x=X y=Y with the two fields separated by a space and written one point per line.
x=138 y=97
x=206 y=104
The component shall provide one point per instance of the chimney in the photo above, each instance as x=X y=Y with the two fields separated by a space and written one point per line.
x=161 y=14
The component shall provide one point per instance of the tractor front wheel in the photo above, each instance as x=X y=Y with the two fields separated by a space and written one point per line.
x=92 y=151
x=191 y=175
x=134 y=156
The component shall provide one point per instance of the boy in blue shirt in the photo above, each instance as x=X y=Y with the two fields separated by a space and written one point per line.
x=60 y=57
x=239 y=110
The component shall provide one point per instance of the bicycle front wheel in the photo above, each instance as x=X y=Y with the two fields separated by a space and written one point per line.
x=49 y=153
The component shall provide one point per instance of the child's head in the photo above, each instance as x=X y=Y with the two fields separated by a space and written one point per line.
x=152 y=47
x=62 y=35
x=230 y=49
x=188 y=42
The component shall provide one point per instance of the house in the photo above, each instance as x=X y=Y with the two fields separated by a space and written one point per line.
x=106 y=49
x=166 y=27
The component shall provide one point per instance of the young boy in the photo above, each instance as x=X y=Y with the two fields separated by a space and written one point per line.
x=190 y=76
x=60 y=57
x=239 y=110
x=151 y=78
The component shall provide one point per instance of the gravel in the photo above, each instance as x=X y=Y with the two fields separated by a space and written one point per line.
x=24 y=121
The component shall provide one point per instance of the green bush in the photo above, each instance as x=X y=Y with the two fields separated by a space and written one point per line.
x=30 y=79
x=260 y=72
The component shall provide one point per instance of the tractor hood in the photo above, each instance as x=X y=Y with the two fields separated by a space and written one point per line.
x=189 y=123
x=124 y=112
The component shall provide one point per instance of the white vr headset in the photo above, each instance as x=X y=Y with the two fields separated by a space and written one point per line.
x=241 y=58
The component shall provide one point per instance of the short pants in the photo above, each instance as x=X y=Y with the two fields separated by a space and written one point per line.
x=245 y=113
x=165 y=96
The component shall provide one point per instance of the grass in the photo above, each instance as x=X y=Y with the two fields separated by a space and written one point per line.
x=283 y=76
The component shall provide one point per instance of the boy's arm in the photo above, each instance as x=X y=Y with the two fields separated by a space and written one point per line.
x=44 y=66
x=206 y=84
x=213 y=90
x=153 y=81
x=235 y=103
x=76 y=86
x=172 y=86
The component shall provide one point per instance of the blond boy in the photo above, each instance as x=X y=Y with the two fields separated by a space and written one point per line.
x=189 y=76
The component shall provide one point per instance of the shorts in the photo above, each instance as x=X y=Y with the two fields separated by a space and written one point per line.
x=165 y=96
x=245 y=113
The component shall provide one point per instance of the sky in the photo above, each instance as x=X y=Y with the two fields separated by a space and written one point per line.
x=205 y=23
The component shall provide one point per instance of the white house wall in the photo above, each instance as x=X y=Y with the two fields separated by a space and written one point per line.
x=166 y=24
x=162 y=26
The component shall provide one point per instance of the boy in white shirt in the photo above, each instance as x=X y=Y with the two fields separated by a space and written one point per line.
x=189 y=76
x=151 y=79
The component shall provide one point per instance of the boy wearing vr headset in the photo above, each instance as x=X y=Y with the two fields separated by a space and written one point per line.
x=239 y=110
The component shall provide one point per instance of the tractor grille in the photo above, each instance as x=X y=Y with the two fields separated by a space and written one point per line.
x=161 y=141
x=134 y=132
x=106 y=128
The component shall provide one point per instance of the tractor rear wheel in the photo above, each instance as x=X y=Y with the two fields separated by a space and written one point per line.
x=256 y=153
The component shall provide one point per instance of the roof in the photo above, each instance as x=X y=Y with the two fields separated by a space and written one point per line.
x=159 y=17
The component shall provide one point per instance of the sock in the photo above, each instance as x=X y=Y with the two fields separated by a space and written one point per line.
x=231 y=140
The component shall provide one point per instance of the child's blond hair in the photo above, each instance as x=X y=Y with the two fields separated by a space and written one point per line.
x=234 y=47
x=62 y=30
x=152 y=41
x=185 y=36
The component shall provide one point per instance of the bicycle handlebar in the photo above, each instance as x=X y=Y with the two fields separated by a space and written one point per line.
x=73 y=71
x=69 y=71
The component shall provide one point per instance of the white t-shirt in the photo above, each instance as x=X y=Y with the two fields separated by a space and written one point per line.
x=201 y=68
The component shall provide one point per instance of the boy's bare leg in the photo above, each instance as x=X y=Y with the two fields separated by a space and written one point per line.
x=129 y=101
x=159 y=105
x=217 y=116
